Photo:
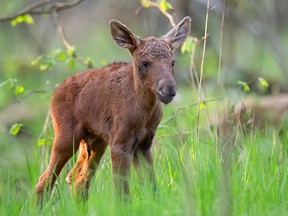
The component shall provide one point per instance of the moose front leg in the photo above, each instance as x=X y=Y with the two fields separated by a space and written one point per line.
x=121 y=156
x=143 y=150
x=143 y=160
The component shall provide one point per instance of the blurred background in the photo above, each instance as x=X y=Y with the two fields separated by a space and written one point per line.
x=254 y=44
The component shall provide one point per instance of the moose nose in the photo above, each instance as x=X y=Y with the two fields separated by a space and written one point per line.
x=168 y=91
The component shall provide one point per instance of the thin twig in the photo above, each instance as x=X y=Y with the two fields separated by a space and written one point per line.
x=28 y=9
x=66 y=42
x=169 y=16
x=181 y=109
x=219 y=65
x=164 y=12
x=192 y=67
x=201 y=71
x=18 y=100
x=41 y=8
x=61 y=31
x=42 y=134
x=173 y=135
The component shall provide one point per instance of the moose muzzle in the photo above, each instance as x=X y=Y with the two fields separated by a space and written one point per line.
x=166 y=91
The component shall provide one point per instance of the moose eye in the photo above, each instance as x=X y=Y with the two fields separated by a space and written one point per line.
x=145 y=64
x=173 y=63
x=144 y=67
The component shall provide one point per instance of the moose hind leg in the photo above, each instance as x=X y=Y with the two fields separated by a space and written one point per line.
x=62 y=151
x=82 y=157
x=88 y=160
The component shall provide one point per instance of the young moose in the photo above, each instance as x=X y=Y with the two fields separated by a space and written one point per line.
x=118 y=105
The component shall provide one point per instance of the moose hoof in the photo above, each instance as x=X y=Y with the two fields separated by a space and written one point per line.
x=68 y=179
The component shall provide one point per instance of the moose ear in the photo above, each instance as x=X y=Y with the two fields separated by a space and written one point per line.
x=176 y=36
x=123 y=36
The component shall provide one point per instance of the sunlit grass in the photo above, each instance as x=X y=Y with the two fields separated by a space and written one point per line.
x=249 y=177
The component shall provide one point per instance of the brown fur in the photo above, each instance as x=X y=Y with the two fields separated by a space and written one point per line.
x=118 y=105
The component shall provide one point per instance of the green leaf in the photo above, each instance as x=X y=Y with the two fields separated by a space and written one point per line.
x=88 y=61
x=37 y=60
x=53 y=54
x=263 y=82
x=164 y=5
x=49 y=63
x=71 y=51
x=19 y=89
x=41 y=141
x=71 y=63
x=15 y=128
x=202 y=105
x=61 y=56
x=188 y=45
x=27 y=18
x=245 y=86
x=14 y=22
x=145 y=3
x=43 y=66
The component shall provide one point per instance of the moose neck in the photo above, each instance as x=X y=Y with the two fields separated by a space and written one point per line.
x=145 y=95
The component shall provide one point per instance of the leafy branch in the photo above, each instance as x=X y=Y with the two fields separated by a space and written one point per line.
x=162 y=5
x=201 y=71
x=262 y=83
x=70 y=48
x=43 y=61
x=41 y=8
x=47 y=7
x=19 y=99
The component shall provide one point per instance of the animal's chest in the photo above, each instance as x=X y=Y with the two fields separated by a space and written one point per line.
x=144 y=140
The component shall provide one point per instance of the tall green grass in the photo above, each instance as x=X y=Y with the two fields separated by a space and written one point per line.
x=204 y=177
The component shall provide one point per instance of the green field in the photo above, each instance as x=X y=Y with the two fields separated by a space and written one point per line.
x=204 y=176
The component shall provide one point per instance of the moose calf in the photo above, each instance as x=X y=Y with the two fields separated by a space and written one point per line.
x=118 y=105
